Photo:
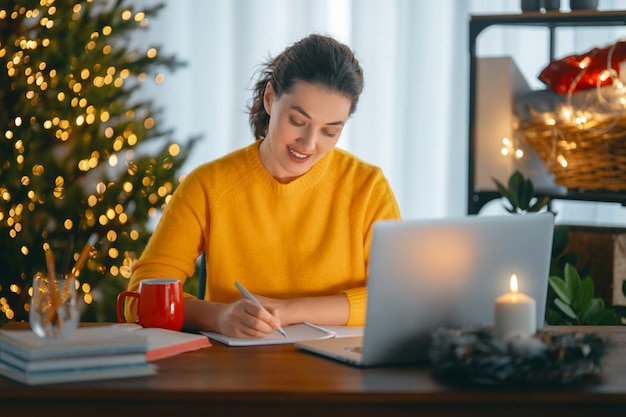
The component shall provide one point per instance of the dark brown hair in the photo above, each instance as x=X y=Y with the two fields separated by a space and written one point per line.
x=316 y=59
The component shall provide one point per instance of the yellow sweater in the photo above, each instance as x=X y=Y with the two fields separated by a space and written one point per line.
x=309 y=237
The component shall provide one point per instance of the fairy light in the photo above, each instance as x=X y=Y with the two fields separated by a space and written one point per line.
x=550 y=121
x=111 y=236
x=506 y=149
x=584 y=63
x=580 y=120
x=509 y=149
x=605 y=75
x=174 y=149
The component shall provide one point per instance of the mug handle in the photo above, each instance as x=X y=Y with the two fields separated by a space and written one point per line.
x=120 y=299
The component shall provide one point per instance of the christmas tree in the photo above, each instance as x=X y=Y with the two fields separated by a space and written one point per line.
x=73 y=160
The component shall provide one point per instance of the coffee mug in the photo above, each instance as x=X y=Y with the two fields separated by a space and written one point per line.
x=159 y=303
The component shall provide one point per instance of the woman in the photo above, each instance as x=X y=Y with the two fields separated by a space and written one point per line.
x=290 y=217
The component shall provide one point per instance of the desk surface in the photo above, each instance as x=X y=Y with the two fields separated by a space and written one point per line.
x=284 y=381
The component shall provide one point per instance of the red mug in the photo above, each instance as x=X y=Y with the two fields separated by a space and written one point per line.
x=159 y=303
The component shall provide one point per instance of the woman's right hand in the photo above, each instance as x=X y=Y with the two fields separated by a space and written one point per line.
x=243 y=318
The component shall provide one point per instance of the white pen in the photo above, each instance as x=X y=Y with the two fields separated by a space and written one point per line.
x=255 y=301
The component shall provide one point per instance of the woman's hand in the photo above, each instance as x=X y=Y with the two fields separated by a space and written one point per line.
x=280 y=308
x=243 y=318
x=326 y=310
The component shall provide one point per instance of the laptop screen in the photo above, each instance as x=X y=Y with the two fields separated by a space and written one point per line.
x=427 y=274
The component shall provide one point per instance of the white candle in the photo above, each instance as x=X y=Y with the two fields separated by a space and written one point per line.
x=515 y=313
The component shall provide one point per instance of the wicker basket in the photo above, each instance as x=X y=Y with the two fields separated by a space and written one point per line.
x=588 y=158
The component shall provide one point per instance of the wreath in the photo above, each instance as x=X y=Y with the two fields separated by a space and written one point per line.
x=476 y=355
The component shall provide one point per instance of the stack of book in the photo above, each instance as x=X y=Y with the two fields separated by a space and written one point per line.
x=90 y=353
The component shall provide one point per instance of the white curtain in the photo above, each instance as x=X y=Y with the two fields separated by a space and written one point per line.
x=412 y=117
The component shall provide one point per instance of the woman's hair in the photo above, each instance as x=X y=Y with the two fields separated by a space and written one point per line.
x=315 y=59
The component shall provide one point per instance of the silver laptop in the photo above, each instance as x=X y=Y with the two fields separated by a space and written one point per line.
x=427 y=274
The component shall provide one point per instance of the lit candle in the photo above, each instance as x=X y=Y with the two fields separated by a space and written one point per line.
x=515 y=313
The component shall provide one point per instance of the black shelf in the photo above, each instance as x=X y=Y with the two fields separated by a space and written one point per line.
x=481 y=198
x=551 y=21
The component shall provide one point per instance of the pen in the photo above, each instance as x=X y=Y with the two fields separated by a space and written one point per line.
x=84 y=254
x=255 y=301
x=320 y=328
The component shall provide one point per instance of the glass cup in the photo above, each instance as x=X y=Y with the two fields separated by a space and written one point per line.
x=53 y=308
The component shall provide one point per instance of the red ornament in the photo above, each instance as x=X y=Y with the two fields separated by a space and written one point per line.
x=582 y=72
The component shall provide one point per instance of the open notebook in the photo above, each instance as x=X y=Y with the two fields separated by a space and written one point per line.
x=295 y=333
x=426 y=274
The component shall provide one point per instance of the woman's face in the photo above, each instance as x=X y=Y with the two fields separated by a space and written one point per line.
x=304 y=125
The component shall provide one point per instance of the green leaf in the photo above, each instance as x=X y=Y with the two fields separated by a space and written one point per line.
x=605 y=317
x=593 y=319
x=515 y=183
x=572 y=279
x=560 y=239
x=515 y=179
x=506 y=194
x=501 y=188
x=527 y=193
x=565 y=308
x=560 y=288
x=585 y=294
x=539 y=204
x=521 y=196
x=554 y=318
x=595 y=306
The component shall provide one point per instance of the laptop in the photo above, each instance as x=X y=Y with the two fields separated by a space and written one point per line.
x=427 y=274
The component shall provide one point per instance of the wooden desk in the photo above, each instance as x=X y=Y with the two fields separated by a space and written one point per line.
x=283 y=381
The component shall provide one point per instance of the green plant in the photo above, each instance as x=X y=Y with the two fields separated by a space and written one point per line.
x=521 y=194
x=575 y=302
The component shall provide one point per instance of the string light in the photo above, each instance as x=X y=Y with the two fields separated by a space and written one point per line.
x=509 y=149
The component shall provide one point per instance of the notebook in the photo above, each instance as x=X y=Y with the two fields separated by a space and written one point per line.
x=295 y=333
x=427 y=274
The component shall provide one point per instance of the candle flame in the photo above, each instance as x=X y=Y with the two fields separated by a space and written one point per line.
x=513 y=284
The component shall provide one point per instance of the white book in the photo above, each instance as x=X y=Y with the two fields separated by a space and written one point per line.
x=78 y=363
x=76 y=375
x=295 y=333
x=84 y=341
